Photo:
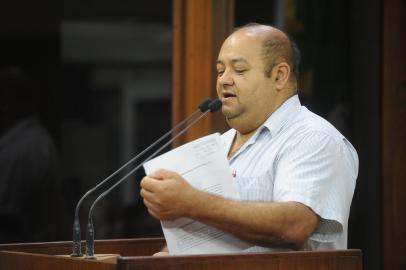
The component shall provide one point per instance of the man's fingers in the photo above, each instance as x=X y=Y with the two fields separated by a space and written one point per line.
x=148 y=183
x=146 y=194
x=162 y=174
x=152 y=213
x=151 y=206
x=161 y=253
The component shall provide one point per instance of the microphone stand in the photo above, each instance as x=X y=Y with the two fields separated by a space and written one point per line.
x=76 y=247
x=214 y=106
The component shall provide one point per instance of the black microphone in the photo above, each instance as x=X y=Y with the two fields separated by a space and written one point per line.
x=215 y=105
x=76 y=248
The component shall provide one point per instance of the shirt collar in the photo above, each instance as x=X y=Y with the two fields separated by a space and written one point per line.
x=281 y=116
x=273 y=124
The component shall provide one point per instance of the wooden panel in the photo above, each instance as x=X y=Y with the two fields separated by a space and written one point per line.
x=338 y=260
x=33 y=256
x=37 y=259
x=124 y=247
x=394 y=133
x=199 y=27
x=27 y=261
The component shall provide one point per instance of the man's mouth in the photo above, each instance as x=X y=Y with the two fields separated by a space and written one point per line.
x=229 y=95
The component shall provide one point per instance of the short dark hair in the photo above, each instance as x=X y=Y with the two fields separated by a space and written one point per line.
x=275 y=50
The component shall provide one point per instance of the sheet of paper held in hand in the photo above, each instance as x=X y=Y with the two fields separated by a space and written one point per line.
x=203 y=163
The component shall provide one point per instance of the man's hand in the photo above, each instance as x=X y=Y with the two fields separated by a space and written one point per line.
x=161 y=254
x=167 y=195
x=164 y=252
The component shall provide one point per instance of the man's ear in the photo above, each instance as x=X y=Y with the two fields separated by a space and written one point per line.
x=281 y=74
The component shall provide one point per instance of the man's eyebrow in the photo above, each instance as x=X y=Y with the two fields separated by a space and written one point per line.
x=238 y=60
x=234 y=61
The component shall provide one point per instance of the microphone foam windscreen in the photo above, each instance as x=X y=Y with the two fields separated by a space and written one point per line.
x=204 y=106
x=215 y=105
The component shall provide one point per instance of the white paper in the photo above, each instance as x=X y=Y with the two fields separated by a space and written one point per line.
x=203 y=163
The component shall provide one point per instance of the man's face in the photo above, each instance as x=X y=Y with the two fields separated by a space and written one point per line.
x=241 y=84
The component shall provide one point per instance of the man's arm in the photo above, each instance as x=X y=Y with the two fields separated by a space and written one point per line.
x=168 y=196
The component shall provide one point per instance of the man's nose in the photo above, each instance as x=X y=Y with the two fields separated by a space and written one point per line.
x=225 y=79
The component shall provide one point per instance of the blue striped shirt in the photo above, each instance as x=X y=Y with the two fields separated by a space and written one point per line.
x=298 y=156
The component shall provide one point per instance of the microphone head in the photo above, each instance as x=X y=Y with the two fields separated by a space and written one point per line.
x=215 y=105
x=204 y=106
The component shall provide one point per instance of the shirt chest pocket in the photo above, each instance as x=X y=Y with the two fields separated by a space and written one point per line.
x=257 y=188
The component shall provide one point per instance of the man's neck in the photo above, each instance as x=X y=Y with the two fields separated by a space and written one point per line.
x=239 y=140
x=244 y=137
x=244 y=134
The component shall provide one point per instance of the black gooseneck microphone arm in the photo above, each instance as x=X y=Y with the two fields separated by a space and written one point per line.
x=213 y=106
x=76 y=248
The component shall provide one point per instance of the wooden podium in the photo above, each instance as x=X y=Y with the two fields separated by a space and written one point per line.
x=136 y=254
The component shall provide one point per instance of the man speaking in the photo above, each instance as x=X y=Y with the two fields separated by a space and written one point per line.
x=295 y=172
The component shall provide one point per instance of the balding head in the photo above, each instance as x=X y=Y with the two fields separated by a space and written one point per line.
x=277 y=47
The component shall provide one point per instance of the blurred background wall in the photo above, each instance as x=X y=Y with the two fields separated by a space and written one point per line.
x=103 y=75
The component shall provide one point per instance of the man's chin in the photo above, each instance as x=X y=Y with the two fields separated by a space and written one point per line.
x=230 y=116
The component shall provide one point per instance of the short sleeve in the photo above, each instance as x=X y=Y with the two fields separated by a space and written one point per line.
x=316 y=170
